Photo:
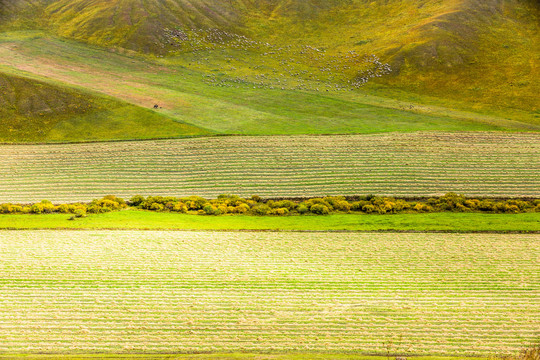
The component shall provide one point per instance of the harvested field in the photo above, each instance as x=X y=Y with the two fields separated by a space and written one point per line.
x=136 y=291
x=414 y=164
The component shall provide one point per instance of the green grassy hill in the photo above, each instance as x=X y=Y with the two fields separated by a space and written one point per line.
x=37 y=111
x=223 y=65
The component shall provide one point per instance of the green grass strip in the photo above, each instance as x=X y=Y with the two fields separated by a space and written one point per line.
x=137 y=219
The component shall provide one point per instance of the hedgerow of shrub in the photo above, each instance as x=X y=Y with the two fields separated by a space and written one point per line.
x=232 y=204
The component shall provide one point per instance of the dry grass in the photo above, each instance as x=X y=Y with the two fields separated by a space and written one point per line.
x=419 y=164
x=168 y=292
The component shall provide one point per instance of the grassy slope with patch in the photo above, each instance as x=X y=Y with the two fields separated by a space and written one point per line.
x=37 y=111
x=186 y=98
x=447 y=57
x=486 y=50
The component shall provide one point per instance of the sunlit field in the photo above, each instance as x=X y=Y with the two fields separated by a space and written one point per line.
x=169 y=292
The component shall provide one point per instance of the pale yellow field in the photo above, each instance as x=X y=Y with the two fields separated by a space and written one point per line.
x=136 y=291
x=416 y=164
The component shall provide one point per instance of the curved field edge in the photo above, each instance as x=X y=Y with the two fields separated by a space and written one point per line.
x=478 y=164
x=145 y=220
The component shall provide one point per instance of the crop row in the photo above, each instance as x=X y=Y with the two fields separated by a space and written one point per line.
x=417 y=164
x=217 y=291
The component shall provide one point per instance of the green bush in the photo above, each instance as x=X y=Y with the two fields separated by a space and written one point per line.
x=232 y=204
x=36 y=209
x=180 y=207
x=261 y=209
x=342 y=205
x=156 y=207
x=115 y=199
x=486 y=205
x=63 y=209
x=368 y=209
x=287 y=204
x=512 y=209
x=242 y=209
x=137 y=200
x=106 y=204
x=195 y=202
x=222 y=209
x=319 y=209
x=279 y=211
x=302 y=209
x=318 y=201
x=80 y=212
x=211 y=210
x=47 y=207
x=6 y=209
x=358 y=205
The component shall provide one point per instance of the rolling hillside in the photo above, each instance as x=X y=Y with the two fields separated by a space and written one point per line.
x=37 y=111
x=460 y=59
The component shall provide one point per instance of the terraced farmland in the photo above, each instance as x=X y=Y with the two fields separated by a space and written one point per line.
x=136 y=291
x=416 y=164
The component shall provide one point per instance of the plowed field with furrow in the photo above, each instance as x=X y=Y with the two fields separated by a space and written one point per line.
x=417 y=164
x=159 y=291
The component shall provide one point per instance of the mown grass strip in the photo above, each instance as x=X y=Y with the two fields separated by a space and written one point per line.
x=418 y=164
x=206 y=292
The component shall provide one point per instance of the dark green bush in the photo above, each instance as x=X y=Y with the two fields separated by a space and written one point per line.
x=211 y=210
x=137 y=200
x=358 y=205
x=302 y=209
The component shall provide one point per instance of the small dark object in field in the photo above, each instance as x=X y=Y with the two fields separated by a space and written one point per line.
x=156 y=106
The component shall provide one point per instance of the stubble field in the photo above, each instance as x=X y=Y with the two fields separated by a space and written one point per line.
x=136 y=291
x=416 y=164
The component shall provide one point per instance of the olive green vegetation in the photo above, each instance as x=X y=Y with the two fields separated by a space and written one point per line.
x=232 y=204
x=451 y=70
x=243 y=356
x=32 y=110
x=186 y=98
x=138 y=219
x=486 y=51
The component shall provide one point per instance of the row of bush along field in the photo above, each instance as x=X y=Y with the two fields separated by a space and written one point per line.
x=232 y=204
x=402 y=165
x=234 y=356
x=206 y=292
